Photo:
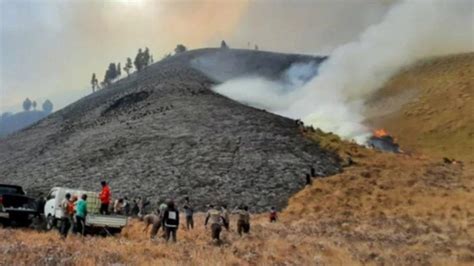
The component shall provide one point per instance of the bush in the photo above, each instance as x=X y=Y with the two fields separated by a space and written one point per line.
x=27 y=104
x=180 y=49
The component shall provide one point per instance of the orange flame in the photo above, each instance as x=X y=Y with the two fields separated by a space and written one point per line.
x=380 y=133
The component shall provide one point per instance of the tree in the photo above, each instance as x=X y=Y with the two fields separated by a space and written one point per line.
x=128 y=66
x=94 y=82
x=34 y=105
x=139 y=60
x=224 y=45
x=27 y=104
x=110 y=74
x=180 y=49
x=151 y=59
x=166 y=56
x=146 y=57
x=119 y=70
x=47 y=106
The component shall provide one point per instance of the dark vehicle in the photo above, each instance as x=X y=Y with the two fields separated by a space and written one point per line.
x=15 y=207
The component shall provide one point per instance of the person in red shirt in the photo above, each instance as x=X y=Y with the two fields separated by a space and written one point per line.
x=105 y=197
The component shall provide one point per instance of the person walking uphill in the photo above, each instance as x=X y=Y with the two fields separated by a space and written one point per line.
x=215 y=216
x=105 y=197
x=243 y=222
x=171 y=221
x=81 y=212
x=67 y=218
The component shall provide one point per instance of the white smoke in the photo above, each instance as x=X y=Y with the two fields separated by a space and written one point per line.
x=276 y=96
x=334 y=99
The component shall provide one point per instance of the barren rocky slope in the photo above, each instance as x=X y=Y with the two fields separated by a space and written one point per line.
x=164 y=133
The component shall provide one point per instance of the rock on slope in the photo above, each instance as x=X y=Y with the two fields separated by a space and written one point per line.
x=163 y=133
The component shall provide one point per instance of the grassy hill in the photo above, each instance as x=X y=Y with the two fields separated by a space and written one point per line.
x=429 y=107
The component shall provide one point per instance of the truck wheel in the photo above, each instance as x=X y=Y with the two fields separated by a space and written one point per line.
x=50 y=223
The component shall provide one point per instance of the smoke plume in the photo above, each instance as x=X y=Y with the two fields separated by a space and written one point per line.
x=334 y=99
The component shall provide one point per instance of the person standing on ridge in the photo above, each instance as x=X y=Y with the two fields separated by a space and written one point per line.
x=105 y=197
x=171 y=221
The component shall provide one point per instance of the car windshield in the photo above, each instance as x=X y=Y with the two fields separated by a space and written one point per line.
x=9 y=190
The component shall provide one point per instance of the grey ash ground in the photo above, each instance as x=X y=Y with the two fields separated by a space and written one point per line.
x=164 y=133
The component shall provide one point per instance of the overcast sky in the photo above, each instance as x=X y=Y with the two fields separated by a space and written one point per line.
x=50 y=48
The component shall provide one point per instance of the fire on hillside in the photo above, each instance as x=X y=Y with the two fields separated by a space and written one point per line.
x=383 y=141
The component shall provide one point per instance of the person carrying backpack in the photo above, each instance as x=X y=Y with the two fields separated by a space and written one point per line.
x=171 y=221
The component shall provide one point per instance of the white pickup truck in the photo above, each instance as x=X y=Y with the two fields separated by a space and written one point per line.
x=95 y=222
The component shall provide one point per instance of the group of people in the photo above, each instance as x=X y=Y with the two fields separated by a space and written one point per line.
x=74 y=213
x=121 y=206
x=217 y=217
x=166 y=216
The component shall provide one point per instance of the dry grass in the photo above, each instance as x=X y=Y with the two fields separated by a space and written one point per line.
x=385 y=209
x=437 y=117
x=267 y=244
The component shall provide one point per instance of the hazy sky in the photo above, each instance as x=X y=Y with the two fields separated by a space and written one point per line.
x=50 y=48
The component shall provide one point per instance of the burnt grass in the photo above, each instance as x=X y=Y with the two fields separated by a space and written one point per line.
x=163 y=133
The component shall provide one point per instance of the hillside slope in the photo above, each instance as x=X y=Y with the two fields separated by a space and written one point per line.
x=163 y=133
x=18 y=121
x=429 y=107
x=385 y=209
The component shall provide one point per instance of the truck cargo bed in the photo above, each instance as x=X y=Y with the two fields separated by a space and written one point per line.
x=110 y=221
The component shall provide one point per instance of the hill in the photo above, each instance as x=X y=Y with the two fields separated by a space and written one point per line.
x=429 y=107
x=18 y=121
x=164 y=133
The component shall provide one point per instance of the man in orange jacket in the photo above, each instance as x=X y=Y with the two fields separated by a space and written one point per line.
x=104 y=196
